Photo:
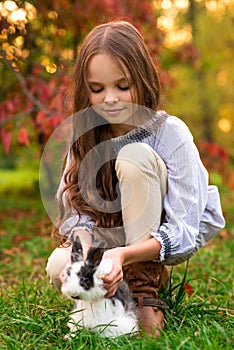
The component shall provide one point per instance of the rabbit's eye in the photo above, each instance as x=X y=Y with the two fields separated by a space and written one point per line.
x=84 y=280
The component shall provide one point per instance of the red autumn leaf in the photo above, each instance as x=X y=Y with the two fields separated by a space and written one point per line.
x=6 y=140
x=10 y=106
x=23 y=137
x=225 y=235
x=213 y=150
x=45 y=94
x=56 y=120
x=36 y=70
x=12 y=251
x=188 y=289
x=41 y=116
x=166 y=79
x=223 y=154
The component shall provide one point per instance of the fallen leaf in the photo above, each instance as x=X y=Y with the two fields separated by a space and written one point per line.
x=188 y=289
x=225 y=235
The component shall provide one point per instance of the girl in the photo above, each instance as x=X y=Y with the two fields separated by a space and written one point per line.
x=164 y=210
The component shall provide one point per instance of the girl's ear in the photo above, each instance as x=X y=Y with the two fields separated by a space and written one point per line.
x=95 y=253
x=77 y=251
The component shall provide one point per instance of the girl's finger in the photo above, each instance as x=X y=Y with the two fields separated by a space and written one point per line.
x=112 y=287
x=111 y=292
x=62 y=276
x=116 y=273
x=63 y=273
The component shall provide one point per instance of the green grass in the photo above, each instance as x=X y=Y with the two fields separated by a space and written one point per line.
x=34 y=315
x=17 y=179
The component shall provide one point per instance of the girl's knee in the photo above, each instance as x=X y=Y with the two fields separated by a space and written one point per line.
x=135 y=159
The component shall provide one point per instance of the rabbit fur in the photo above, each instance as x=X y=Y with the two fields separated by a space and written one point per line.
x=110 y=317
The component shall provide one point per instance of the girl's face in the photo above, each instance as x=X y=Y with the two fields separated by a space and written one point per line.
x=111 y=90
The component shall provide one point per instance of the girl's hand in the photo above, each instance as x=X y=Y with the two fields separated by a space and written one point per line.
x=63 y=273
x=112 y=280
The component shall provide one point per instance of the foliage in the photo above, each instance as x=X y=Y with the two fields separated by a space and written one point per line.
x=40 y=39
x=217 y=161
x=47 y=36
x=202 y=68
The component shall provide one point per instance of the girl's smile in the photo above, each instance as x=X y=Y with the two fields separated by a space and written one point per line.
x=114 y=111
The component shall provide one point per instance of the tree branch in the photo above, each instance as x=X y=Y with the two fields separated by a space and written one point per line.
x=22 y=82
x=16 y=116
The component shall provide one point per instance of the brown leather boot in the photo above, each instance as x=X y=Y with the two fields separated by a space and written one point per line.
x=145 y=279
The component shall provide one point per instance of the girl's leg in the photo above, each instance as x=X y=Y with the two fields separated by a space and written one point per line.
x=143 y=184
x=56 y=263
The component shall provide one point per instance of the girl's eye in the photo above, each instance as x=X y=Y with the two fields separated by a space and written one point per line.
x=96 y=91
x=124 y=88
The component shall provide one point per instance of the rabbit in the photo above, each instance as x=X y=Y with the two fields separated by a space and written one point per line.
x=110 y=317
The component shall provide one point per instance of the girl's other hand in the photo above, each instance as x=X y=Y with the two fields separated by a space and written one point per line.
x=113 y=279
x=63 y=273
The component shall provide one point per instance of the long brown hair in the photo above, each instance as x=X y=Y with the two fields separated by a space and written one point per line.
x=123 y=42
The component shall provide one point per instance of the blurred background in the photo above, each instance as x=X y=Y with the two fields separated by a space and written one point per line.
x=192 y=45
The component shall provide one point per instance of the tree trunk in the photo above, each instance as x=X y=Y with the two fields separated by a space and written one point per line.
x=206 y=109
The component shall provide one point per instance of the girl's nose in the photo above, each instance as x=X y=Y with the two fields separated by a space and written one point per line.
x=111 y=98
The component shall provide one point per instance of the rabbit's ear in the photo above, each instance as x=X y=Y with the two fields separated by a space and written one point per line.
x=95 y=253
x=77 y=251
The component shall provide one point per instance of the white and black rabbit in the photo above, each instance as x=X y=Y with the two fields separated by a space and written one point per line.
x=111 y=317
